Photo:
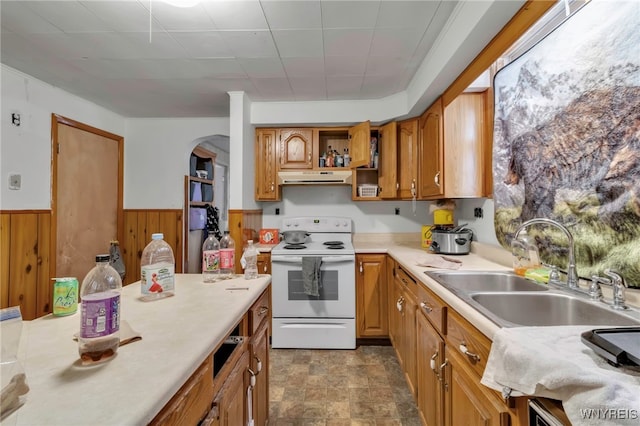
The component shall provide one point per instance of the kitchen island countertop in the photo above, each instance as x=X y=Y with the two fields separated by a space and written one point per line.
x=178 y=333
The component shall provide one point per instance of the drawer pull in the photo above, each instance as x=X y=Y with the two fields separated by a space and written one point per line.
x=263 y=310
x=399 y=303
x=471 y=355
x=426 y=307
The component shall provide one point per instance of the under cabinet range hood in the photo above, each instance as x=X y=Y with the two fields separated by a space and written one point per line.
x=315 y=177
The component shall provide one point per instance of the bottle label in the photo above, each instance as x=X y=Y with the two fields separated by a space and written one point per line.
x=227 y=258
x=157 y=278
x=100 y=314
x=211 y=261
x=65 y=296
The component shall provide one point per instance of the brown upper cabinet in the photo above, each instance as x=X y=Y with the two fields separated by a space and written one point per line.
x=266 y=177
x=453 y=141
x=296 y=148
x=407 y=159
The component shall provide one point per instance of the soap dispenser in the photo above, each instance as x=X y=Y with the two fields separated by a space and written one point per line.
x=524 y=253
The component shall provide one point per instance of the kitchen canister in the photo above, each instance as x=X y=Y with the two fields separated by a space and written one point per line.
x=65 y=296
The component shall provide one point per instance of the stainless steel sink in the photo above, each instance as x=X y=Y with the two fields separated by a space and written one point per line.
x=546 y=309
x=473 y=281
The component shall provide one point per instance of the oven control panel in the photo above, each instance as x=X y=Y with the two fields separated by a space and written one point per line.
x=318 y=224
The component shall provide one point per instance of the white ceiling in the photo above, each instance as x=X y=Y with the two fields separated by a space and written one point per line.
x=150 y=59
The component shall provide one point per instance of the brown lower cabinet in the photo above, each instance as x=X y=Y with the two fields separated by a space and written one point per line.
x=443 y=357
x=217 y=393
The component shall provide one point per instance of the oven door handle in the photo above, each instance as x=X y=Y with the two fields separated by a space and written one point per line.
x=298 y=259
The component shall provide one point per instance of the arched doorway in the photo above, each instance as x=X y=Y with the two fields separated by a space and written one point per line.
x=206 y=186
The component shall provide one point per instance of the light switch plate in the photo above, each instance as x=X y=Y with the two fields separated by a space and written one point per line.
x=15 y=181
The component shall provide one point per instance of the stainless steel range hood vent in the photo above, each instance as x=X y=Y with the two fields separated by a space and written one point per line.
x=315 y=177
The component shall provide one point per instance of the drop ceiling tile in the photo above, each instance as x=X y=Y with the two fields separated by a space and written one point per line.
x=250 y=44
x=396 y=42
x=273 y=88
x=374 y=87
x=349 y=14
x=340 y=88
x=384 y=65
x=288 y=15
x=162 y=45
x=345 y=65
x=62 y=45
x=69 y=16
x=172 y=18
x=17 y=17
x=349 y=42
x=236 y=15
x=202 y=44
x=128 y=16
x=403 y=14
x=304 y=67
x=307 y=88
x=299 y=43
x=262 y=67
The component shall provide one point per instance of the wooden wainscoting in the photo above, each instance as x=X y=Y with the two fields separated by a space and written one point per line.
x=244 y=225
x=138 y=227
x=25 y=275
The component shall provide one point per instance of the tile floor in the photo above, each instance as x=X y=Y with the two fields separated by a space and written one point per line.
x=364 y=386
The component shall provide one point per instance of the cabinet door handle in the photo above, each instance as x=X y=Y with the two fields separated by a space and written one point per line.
x=272 y=186
x=436 y=179
x=252 y=381
x=434 y=366
x=263 y=310
x=399 y=303
x=441 y=374
x=397 y=185
x=309 y=160
x=361 y=269
x=264 y=268
x=471 y=355
x=426 y=307
x=413 y=188
x=258 y=365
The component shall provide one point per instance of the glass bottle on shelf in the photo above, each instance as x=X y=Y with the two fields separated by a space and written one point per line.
x=346 y=158
x=329 y=160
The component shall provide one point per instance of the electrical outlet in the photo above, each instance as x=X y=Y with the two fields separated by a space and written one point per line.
x=15 y=119
x=477 y=212
x=397 y=210
x=15 y=181
x=277 y=211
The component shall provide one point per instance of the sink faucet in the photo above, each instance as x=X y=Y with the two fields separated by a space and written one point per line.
x=618 y=284
x=572 y=272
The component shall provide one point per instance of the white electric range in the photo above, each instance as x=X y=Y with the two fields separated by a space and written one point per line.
x=325 y=321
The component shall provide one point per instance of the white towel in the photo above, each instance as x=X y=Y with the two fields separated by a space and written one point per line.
x=439 y=262
x=553 y=362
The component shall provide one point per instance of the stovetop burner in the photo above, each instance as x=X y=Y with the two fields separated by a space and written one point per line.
x=335 y=247
x=295 y=246
x=333 y=243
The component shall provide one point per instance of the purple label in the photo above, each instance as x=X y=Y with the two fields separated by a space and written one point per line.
x=100 y=314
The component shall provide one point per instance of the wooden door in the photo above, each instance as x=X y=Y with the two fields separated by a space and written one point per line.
x=371 y=296
x=296 y=148
x=264 y=263
x=430 y=355
x=408 y=159
x=260 y=366
x=388 y=163
x=87 y=195
x=467 y=402
x=463 y=146
x=267 y=188
x=431 y=152
x=360 y=144
x=232 y=398
x=409 y=345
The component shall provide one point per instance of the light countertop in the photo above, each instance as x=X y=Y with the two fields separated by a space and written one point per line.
x=178 y=333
